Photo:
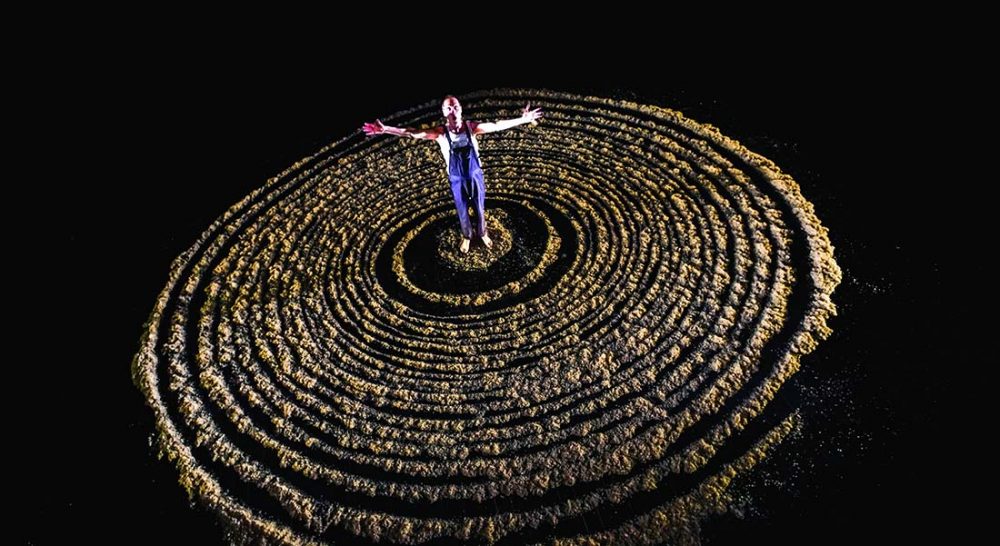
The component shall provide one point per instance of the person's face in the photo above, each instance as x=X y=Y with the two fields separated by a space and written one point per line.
x=451 y=109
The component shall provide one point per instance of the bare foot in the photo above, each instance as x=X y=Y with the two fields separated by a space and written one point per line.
x=465 y=244
x=487 y=241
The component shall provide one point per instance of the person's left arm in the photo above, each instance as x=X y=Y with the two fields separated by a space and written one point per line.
x=528 y=115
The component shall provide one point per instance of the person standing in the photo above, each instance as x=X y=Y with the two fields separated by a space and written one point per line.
x=457 y=139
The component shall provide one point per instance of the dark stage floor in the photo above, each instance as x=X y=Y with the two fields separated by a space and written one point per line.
x=867 y=466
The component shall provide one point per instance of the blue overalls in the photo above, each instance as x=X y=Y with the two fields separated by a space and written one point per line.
x=467 y=185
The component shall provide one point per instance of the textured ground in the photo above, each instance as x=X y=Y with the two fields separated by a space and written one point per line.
x=323 y=365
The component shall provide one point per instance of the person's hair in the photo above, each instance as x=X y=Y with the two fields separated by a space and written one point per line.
x=450 y=97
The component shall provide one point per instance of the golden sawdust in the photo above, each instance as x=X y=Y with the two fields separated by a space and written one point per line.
x=280 y=355
x=480 y=260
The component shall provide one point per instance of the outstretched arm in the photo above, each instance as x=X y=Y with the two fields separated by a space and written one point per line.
x=528 y=115
x=379 y=128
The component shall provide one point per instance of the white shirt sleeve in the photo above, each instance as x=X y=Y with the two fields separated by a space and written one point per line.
x=442 y=141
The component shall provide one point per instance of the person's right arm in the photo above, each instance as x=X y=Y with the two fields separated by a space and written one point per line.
x=378 y=128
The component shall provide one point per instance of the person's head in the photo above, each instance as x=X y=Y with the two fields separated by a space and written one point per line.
x=451 y=108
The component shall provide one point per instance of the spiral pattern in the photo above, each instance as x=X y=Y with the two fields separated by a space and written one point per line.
x=325 y=366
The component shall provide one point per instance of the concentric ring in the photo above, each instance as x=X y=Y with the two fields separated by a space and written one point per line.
x=325 y=367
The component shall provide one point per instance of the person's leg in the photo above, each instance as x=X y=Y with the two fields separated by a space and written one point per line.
x=463 y=212
x=480 y=207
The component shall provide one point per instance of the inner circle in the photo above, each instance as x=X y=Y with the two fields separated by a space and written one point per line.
x=479 y=257
x=431 y=271
x=543 y=245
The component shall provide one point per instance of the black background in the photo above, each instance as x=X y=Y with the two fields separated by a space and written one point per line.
x=197 y=137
